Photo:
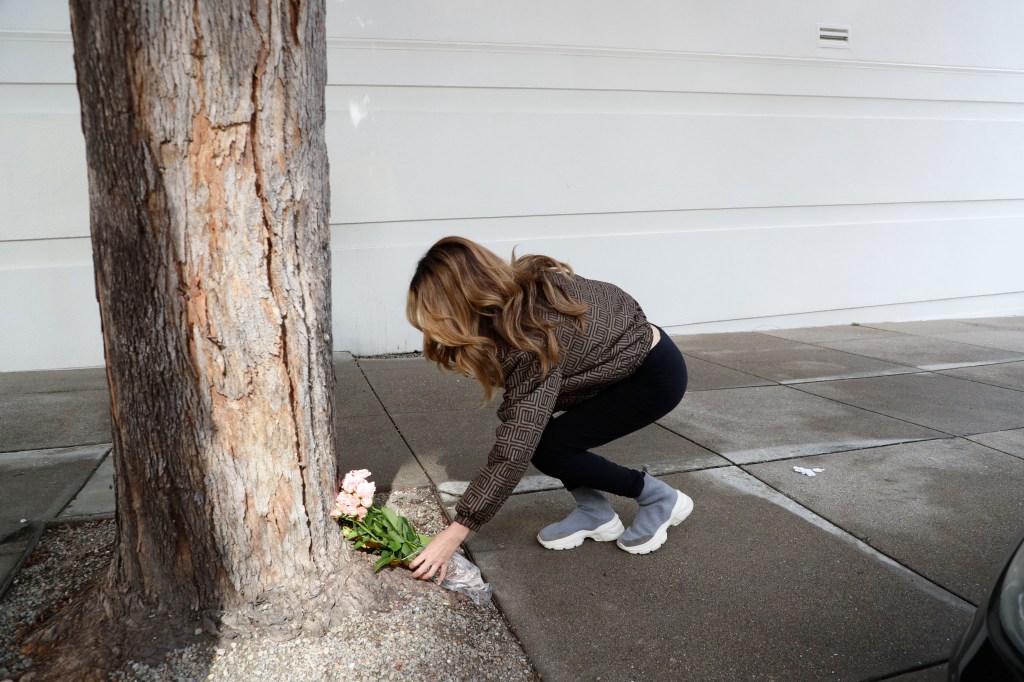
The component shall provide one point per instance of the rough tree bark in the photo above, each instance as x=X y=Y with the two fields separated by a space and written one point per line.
x=204 y=128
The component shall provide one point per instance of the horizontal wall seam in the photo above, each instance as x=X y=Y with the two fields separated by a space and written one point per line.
x=341 y=43
x=734 y=92
x=689 y=210
x=845 y=309
x=628 y=53
x=625 y=91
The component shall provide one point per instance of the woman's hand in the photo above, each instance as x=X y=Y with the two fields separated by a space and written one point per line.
x=438 y=551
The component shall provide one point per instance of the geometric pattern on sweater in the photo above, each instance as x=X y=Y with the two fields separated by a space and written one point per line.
x=613 y=344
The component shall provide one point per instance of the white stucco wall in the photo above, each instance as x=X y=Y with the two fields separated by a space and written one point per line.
x=711 y=158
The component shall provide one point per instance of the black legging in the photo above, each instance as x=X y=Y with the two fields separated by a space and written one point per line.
x=638 y=400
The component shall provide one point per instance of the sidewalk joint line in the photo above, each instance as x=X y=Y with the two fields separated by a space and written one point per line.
x=838 y=452
x=881 y=414
x=861 y=544
x=433 y=484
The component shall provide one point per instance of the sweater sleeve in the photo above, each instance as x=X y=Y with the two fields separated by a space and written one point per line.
x=527 y=406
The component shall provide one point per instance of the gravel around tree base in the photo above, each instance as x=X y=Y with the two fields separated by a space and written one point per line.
x=430 y=634
x=67 y=560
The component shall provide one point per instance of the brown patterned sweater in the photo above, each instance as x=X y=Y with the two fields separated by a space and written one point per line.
x=615 y=340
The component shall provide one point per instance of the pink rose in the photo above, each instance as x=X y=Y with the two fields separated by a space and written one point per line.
x=361 y=513
x=347 y=504
x=364 y=491
x=353 y=479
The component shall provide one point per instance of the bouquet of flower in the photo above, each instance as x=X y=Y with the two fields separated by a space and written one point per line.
x=380 y=530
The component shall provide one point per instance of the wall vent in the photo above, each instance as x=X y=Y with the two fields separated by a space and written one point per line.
x=832 y=35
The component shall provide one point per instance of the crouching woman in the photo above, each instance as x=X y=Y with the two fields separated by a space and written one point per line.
x=553 y=340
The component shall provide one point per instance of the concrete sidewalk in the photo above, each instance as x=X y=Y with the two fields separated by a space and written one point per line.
x=869 y=570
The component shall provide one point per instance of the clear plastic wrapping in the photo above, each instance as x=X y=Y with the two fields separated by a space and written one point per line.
x=464 y=576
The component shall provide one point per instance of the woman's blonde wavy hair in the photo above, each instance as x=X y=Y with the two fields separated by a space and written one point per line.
x=465 y=299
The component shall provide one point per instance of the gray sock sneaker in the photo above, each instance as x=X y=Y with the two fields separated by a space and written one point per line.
x=661 y=506
x=593 y=518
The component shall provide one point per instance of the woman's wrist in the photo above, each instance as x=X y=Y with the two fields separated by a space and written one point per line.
x=459 y=530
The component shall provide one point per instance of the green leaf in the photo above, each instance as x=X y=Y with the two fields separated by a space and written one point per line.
x=391 y=516
x=386 y=533
x=407 y=530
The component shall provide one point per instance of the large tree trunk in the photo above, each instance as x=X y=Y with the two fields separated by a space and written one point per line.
x=204 y=128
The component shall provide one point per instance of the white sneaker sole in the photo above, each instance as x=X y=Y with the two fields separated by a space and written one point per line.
x=604 y=533
x=682 y=509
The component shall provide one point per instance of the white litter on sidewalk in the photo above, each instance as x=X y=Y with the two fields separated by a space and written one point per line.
x=808 y=472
